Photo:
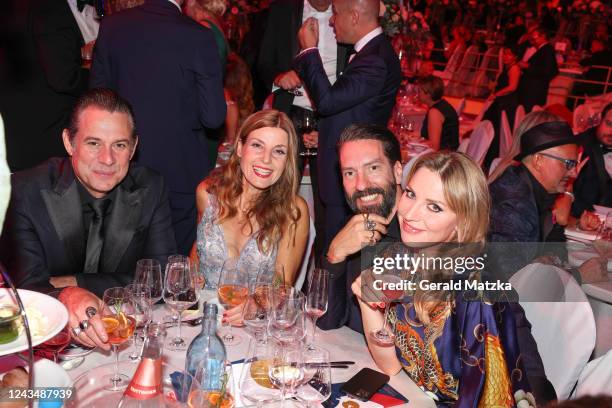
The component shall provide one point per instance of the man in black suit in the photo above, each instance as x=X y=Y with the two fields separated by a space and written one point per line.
x=594 y=183
x=364 y=93
x=85 y=221
x=278 y=48
x=41 y=77
x=539 y=67
x=167 y=66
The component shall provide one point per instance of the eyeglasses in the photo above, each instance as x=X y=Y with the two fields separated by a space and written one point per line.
x=569 y=164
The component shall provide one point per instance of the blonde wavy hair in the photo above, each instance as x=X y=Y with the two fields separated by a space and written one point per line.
x=467 y=195
x=275 y=209
x=530 y=120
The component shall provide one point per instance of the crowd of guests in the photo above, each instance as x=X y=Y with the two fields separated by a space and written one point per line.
x=140 y=178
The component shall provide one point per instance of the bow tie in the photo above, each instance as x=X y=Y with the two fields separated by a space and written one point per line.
x=81 y=4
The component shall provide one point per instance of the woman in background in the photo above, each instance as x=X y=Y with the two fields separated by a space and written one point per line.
x=441 y=123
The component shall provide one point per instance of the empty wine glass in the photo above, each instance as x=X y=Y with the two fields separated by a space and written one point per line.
x=286 y=370
x=141 y=299
x=384 y=336
x=255 y=384
x=316 y=384
x=287 y=320
x=316 y=300
x=148 y=272
x=233 y=291
x=119 y=323
x=180 y=292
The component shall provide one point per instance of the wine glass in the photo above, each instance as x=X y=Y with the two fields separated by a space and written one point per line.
x=286 y=370
x=316 y=384
x=256 y=310
x=605 y=229
x=307 y=125
x=287 y=321
x=217 y=392
x=119 y=323
x=141 y=298
x=255 y=385
x=316 y=300
x=233 y=291
x=384 y=336
x=148 y=272
x=180 y=292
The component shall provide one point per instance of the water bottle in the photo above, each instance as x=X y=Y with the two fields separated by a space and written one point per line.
x=206 y=354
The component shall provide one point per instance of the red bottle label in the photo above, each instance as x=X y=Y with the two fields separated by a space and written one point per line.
x=146 y=382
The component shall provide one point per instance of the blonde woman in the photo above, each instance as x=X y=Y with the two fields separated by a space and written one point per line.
x=249 y=209
x=460 y=352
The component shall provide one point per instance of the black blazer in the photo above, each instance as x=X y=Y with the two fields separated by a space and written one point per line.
x=40 y=77
x=364 y=93
x=280 y=45
x=535 y=79
x=167 y=66
x=44 y=233
x=593 y=185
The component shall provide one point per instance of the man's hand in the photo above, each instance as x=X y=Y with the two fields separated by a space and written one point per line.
x=354 y=235
x=308 y=36
x=288 y=80
x=63 y=281
x=311 y=140
x=77 y=300
x=594 y=270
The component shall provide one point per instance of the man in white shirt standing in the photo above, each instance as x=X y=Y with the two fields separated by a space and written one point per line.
x=279 y=47
x=363 y=94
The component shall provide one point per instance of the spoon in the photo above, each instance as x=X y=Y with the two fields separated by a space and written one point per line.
x=72 y=363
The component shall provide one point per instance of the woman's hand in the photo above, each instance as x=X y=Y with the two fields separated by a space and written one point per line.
x=234 y=315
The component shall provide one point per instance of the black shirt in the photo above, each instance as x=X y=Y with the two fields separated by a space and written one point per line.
x=549 y=231
x=449 y=139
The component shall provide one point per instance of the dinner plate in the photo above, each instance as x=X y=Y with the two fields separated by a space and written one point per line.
x=577 y=258
x=54 y=318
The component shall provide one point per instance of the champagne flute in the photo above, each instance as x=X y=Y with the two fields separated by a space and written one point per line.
x=316 y=386
x=233 y=291
x=148 y=272
x=180 y=292
x=384 y=336
x=141 y=298
x=119 y=323
x=316 y=300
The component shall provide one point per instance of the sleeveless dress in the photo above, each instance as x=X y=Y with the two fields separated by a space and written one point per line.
x=449 y=139
x=212 y=250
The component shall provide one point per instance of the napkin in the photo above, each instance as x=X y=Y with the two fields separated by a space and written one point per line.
x=387 y=396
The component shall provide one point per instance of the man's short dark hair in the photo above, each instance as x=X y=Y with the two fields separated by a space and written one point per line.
x=433 y=85
x=102 y=98
x=390 y=144
x=605 y=111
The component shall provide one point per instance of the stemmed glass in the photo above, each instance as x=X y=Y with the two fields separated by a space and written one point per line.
x=605 y=229
x=316 y=385
x=214 y=397
x=119 y=323
x=233 y=291
x=307 y=125
x=148 y=272
x=316 y=300
x=255 y=385
x=141 y=298
x=255 y=313
x=180 y=292
x=286 y=370
x=287 y=321
x=384 y=336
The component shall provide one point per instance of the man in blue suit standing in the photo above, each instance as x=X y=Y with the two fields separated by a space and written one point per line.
x=167 y=66
x=363 y=93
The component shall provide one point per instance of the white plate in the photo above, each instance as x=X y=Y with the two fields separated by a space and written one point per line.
x=74 y=351
x=577 y=258
x=52 y=309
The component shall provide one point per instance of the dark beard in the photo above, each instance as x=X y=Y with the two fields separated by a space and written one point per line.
x=383 y=209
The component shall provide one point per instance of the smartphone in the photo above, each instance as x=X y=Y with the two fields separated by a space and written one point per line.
x=364 y=384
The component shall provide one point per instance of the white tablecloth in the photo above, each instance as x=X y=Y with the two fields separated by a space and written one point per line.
x=343 y=344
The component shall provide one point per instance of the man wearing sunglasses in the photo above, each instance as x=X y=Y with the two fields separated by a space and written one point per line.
x=522 y=199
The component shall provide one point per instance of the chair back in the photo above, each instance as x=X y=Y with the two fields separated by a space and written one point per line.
x=409 y=165
x=505 y=135
x=518 y=116
x=562 y=322
x=463 y=145
x=596 y=378
x=307 y=262
x=480 y=141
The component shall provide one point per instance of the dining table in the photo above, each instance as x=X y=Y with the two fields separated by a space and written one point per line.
x=343 y=344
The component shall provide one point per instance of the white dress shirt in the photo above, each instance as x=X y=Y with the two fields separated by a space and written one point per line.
x=87 y=20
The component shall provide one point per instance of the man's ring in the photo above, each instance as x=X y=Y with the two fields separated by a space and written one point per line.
x=370 y=225
x=84 y=324
x=91 y=311
x=76 y=331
